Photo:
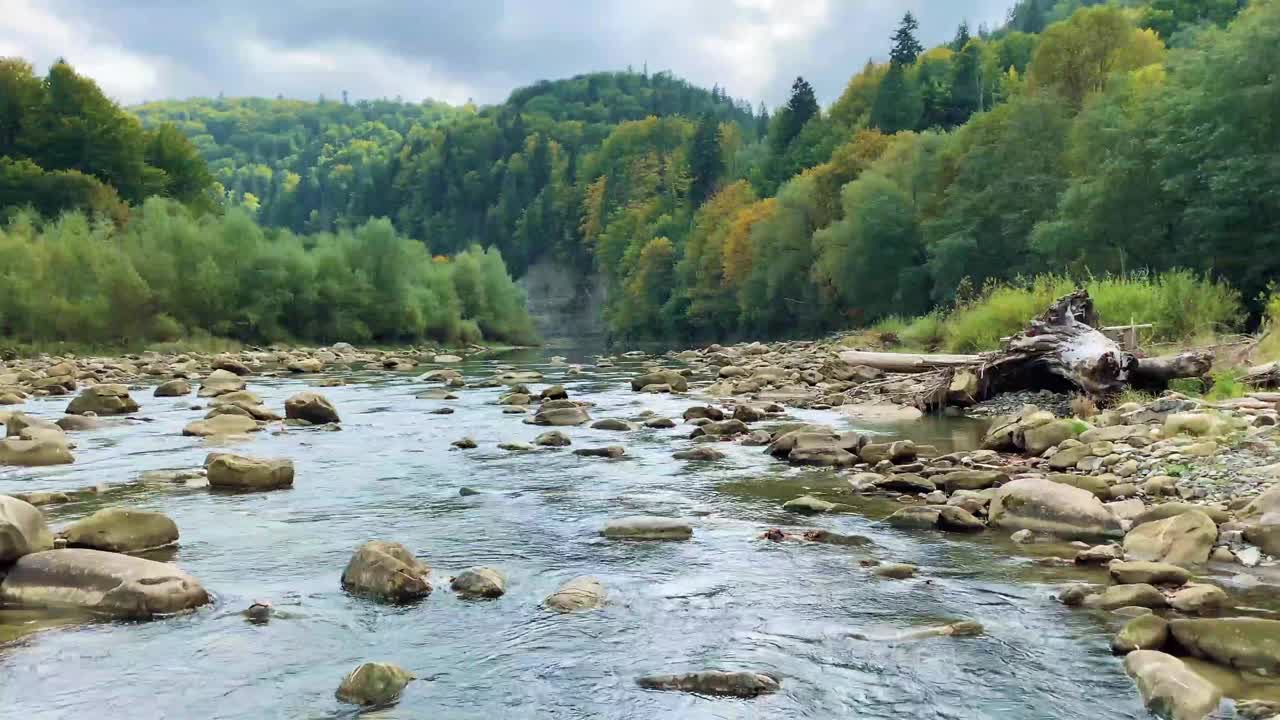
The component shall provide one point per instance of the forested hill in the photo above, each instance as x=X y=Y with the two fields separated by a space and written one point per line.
x=503 y=176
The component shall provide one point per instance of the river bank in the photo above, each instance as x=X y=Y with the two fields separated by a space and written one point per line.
x=394 y=402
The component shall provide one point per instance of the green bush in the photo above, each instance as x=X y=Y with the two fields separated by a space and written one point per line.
x=169 y=273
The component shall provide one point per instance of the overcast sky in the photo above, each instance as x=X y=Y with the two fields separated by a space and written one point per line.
x=454 y=50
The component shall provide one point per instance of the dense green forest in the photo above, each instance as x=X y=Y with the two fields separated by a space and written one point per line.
x=118 y=233
x=1089 y=139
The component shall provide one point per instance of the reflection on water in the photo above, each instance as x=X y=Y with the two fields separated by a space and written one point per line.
x=724 y=599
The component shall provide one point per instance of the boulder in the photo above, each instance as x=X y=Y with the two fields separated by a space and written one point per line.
x=611 y=452
x=703 y=412
x=703 y=453
x=1193 y=423
x=312 y=407
x=1170 y=509
x=221 y=425
x=1184 y=539
x=22 y=530
x=121 y=530
x=748 y=413
x=659 y=423
x=957 y=519
x=915 y=517
x=895 y=571
x=1118 y=596
x=465 y=443
x=612 y=424
x=674 y=380
x=561 y=416
x=808 y=505
x=723 y=428
x=103 y=400
x=374 y=684
x=743 y=684
x=305 y=365
x=580 y=593
x=104 y=583
x=554 y=392
x=970 y=480
x=34 y=453
x=1169 y=688
x=1094 y=484
x=78 y=423
x=230 y=364
x=1199 y=598
x=906 y=483
x=1100 y=555
x=647 y=527
x=1150 y=573
x=1244 y=643
x=479 y=582
x=902 y=451
x=1044 y=506
x=1145 y=632
x=236 y=472
x=1042 y=437
x=220 y=382
x=386 y=571
x=1067 y=458
x=552 y=438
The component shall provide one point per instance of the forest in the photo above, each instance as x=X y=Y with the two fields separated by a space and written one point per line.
x=1086 y=140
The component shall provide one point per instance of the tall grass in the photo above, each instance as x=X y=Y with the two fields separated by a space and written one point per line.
x=1180 y=306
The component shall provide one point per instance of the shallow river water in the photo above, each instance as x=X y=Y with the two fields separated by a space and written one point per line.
x=724 y=599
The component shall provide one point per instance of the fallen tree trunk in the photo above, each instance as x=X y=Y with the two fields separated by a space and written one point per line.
x=1264 y=376
x=908 y=362
x=1060 y=350
x=1155 y=373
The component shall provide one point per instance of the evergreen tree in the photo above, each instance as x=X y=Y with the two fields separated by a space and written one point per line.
x=962 y=36
x=898 y=105
x=906 y=48
x=705 y=161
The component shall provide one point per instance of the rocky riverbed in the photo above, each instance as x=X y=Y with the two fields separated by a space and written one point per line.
x=761 y=500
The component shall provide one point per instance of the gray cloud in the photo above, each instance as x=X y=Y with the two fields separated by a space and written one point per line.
x=459 y=49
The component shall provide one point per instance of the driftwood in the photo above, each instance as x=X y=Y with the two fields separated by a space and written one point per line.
x=1060 y=350
x=1155 y=373
x=908 y=362
x=1264 y=376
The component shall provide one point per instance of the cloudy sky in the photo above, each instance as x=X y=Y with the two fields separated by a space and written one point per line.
x=456 y=50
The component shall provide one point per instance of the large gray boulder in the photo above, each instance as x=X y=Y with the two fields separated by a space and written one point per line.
x=312 y=407
x=1244 y=643
x=1185 y=539
x=104 y=583
x=35 y=453
x=236 y=472
x=22 y=530
x=1169 y=688
x=1044 y=506
x=386 y=571
x=580 y=593
x=220 y=382
x=121 y=530
x=672 y=379
x=107 y=399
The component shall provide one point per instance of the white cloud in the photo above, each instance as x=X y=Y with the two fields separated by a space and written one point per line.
x=334 y=67
x=33 y=32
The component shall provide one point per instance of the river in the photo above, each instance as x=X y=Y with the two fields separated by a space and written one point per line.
x=724 y=599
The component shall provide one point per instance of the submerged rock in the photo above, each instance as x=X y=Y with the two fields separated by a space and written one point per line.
x=647 y=527
x=1169 y=688
x=611 y=452
x=580 y=593
x=221 y=425
x=1151 y=573
x=236 y=472
x=104 y=583
x=220 y=382
x=743 y=684
x=386 y=571
x=674 y=381
x=808 y=505
x=703 y=453
x=895 y=571
x=35 y=453
x=465 y=443
x=121 y=530
x=1118 y=596
x=374 y=683
x=22 y=530
x=479 y=582
x=553 y=438
x=560 y=415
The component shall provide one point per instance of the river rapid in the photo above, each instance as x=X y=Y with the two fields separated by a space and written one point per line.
x=723 y=600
